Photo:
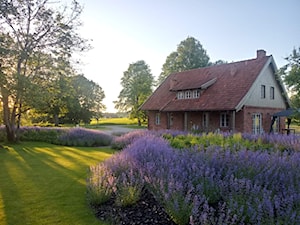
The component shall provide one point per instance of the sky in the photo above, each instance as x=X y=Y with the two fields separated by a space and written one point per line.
x=123 y=32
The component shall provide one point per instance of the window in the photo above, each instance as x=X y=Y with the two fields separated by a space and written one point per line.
x=256 y=123
x=180 y=95
x=157 y=119
x=205 y=120
x=272 y=93
x=196 y=93
x=171 y=119
x=263 y=91
x=224 y=120
x=188 y=94
x=275 y=125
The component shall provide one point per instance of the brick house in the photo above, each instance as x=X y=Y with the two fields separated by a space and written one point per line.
x=240 y=97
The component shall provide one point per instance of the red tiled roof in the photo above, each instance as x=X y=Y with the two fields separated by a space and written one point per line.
x=233 y=81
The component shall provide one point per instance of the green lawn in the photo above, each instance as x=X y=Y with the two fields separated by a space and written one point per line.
x=45 y=184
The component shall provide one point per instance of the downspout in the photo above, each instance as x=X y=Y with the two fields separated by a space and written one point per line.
x=233 y=121
x=185 y=125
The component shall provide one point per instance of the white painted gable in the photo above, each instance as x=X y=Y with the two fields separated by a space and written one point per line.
x=268 y=79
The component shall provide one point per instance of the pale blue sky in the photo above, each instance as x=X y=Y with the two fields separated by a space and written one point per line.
x=125 y=31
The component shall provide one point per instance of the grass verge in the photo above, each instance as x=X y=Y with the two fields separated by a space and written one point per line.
x=46 y=184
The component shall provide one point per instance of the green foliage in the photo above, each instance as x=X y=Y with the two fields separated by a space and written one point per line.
x=189 y=55
x=179 y=209
x=99 y=189
x=62 y=136
x=233 y=141
x=48 y=135
x=291 y=77
x=36 y=50
x=137 y=84
x=128 y=195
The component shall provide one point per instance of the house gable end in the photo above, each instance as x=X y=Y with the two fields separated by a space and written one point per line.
x=274 y=93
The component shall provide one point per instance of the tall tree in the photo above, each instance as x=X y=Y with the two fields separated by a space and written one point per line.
x=86 y=102
x=36 y=29
x=189 y=55
x=291 y=76
x=137 y=83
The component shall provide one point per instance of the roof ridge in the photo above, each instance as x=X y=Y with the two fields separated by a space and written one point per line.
x=224 y=64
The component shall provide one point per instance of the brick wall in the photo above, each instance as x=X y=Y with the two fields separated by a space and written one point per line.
x=243 y=120
x=266 y=118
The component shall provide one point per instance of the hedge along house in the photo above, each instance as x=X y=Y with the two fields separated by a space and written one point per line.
x=239 y=97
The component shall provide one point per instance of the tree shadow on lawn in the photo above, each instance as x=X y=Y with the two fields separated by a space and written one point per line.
x=45 y=184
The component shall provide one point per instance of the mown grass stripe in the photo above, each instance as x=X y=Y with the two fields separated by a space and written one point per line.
x=45 y=184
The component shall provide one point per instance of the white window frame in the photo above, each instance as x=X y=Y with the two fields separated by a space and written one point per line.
x=257 y=123
x=180 y=95
x=205 y=120
x=263 y=91
x=157 y=119
x=188 y=94
x=275 y=125
x=224 y=120
x=272 y=93
x=196 y=93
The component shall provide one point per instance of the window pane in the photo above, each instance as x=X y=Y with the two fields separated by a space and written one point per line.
x=188 y=94
x=271 y=92
x=256 y=123
x=263 y=91
x=157 y=119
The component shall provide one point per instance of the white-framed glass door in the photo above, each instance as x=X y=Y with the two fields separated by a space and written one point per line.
x=256 y=123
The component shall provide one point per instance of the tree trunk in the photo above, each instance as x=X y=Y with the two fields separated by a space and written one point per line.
x=11 y=134
x=56 y=120
x=139 y=122
x=9 y=124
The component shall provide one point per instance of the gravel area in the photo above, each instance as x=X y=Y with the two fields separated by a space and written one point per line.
x=117 y=129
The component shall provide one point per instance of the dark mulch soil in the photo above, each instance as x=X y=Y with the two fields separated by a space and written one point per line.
x=147 y=211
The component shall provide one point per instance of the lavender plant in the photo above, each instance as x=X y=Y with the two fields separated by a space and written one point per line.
x=211 y=184
x=84 y=137
x=43 y=134
x=101 y=185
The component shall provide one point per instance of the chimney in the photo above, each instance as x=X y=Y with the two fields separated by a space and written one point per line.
x=260 y=53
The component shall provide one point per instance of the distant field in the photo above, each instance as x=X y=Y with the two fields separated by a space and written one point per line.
x=115 y=121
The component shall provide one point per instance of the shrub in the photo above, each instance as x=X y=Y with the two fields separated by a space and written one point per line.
x=84 y=137
x=43 y=134
x=124 y=140
x=100 y=185
x=213 y=184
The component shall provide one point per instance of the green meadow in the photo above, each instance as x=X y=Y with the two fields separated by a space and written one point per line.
x=46 y=184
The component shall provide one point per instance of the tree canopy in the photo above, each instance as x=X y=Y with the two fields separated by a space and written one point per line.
x=137 y=83
x=189 y=55
x=291 y=76
x=38 y=38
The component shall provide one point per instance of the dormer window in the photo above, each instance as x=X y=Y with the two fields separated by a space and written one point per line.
x=180 y=95
x=196 y=93
x=188 y=94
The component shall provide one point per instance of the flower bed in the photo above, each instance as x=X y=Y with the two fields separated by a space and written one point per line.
x=205 y=184
x=62 y=136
